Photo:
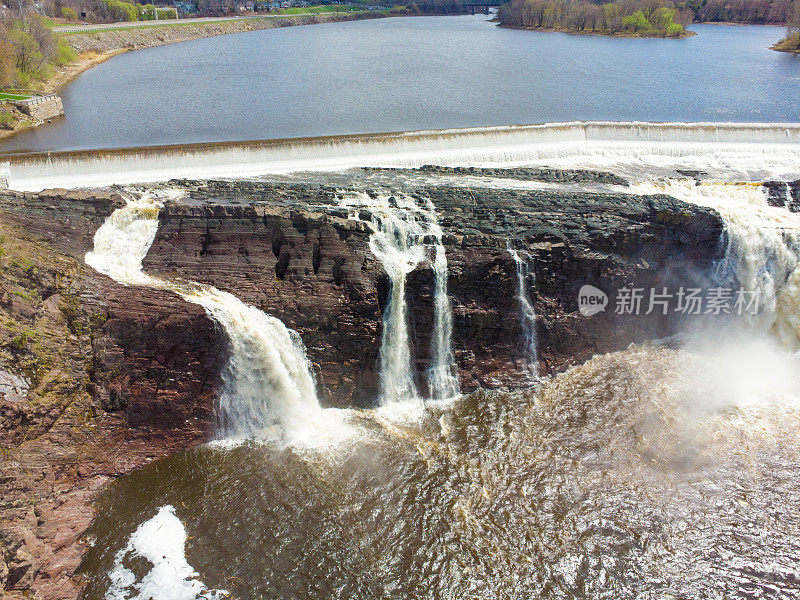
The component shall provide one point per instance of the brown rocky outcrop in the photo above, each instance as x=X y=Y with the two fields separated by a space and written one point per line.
x=293 y=253
x=95 y=380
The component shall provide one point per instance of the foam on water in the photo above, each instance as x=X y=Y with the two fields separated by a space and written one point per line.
x=162 y=542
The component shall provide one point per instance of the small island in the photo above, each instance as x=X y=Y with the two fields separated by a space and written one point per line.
x=624 y=18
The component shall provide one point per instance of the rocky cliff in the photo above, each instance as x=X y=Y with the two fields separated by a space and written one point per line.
x=293 y=253
x=97 y=378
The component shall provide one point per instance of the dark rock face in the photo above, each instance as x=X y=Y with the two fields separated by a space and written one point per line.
x=785 y=194
x=291 y=252
x=293 y=259
x=570 y=239
x=531 y=174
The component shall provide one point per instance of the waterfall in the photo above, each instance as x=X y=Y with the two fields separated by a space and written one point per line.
x=400 y=239
x=762 y=250
x=527 y=313
x=268 y=379
x=443 y=372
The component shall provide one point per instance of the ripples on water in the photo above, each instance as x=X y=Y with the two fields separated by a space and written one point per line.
x=412 y=73
x=635 y=475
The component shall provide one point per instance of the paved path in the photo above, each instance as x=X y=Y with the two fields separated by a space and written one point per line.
x=199 y=20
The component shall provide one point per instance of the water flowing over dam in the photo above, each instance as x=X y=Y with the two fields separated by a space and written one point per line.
x=722 y=145
x=268 y=378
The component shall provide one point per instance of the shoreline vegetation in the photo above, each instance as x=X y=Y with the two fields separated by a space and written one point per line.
x=791 y=43
x=649 y=18
x=90 y=48
x=625 y=18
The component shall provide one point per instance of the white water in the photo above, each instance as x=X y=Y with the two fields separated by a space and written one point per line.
x=268 y=379
x=527 y=312
x=443 y=372
x=161 y=541
x=400 y=241
x=762 y=252
x=748 y=149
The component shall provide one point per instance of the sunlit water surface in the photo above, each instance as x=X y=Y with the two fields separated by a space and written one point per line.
x=635 y=473
x=416 y=73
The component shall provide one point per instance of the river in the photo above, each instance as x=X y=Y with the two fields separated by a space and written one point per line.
x=403 y=74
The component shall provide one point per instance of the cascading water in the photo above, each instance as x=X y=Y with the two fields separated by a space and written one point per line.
x=268 y=379
x=527 y=312
x=442 y=378
x=762 y=249
x=401 y=230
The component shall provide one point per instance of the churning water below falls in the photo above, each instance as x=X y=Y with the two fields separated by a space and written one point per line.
x=655 y=472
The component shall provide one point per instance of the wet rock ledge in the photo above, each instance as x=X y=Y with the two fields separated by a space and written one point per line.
x=291 y=252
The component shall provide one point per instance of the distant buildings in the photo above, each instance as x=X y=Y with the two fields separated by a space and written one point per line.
x=184 y=7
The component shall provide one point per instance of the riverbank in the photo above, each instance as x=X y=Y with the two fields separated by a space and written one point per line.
x=103 y=41
x=618 y=34
x=98 y=45
x=790 y=44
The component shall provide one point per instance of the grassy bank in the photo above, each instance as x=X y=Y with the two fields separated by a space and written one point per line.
x=117 y=39
x=286 y=12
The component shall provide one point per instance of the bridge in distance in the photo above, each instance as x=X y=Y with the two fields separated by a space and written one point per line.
x=483 y=5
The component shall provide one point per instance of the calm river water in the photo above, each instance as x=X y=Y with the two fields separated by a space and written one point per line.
x=416 y=73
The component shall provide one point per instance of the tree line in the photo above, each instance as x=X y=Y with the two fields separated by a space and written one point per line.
x=774 y=12
x=641 y=17
x=28 y=50
x=107 y=11
x=635 y=17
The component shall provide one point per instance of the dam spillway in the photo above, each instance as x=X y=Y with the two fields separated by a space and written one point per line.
x=729 y=145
